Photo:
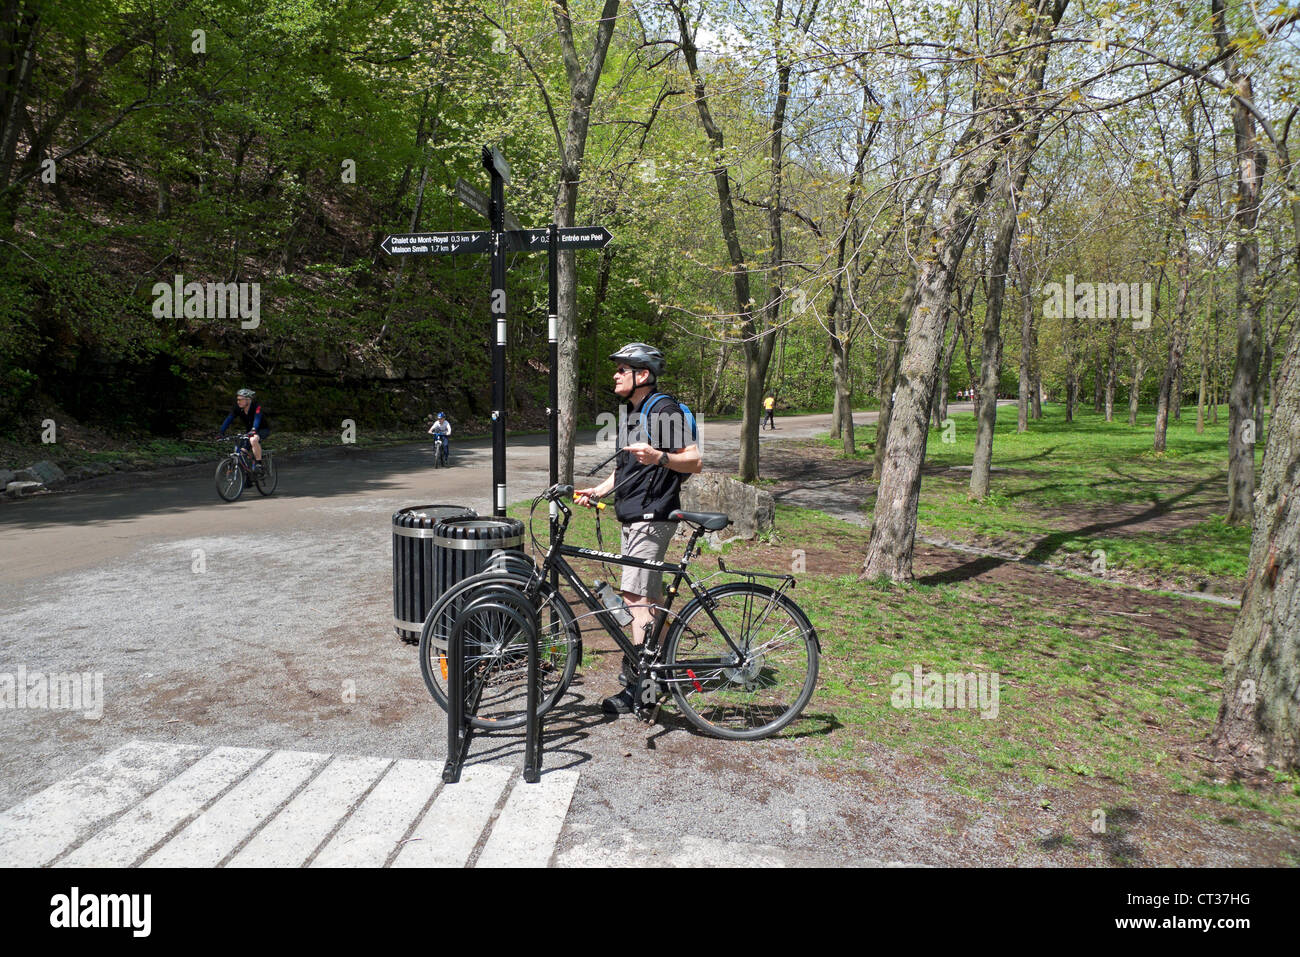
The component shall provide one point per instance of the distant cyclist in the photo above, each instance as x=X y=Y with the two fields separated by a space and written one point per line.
x=441 y=426
x=253 y=420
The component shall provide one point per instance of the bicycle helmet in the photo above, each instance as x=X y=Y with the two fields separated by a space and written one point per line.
x=640 y=355
x=246 y=394
x=442 y=415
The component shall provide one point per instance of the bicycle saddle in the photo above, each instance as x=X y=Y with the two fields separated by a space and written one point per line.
x=709 y=521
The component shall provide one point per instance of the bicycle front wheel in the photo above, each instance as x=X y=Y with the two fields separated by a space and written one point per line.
x=757 y=683
x=496 y=650
x=230 y=479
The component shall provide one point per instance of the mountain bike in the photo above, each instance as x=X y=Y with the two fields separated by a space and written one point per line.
x=440 y=454
x=740 y=661
x=237 y=470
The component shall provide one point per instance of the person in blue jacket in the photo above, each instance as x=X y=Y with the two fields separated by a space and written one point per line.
x=252 y=419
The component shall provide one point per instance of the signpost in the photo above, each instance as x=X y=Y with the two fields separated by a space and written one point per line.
x=505 y=236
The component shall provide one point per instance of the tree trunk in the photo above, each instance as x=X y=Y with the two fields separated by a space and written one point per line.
x=1171 y=381
x=1259 y=718
x=950 y=350
x=1251 y=161
x=1111 y=371
x=889 y=378
x=1036 y=374
x=582 y=89
x=982 y=148
x=986 y=413
x=1200 y=394
x=758 y=327
x=1135 y=394
x=1071 y=371
x=1026 y=345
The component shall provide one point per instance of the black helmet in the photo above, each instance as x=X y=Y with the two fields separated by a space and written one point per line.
x=639 y=355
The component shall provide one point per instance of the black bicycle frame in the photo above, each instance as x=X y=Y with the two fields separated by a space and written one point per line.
x=554 y=561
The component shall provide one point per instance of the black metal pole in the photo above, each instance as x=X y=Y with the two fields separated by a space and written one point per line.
x=457 y=726
x=553 y=413
x=499 y=342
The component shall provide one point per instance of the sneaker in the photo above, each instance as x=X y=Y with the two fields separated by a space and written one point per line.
x=620 y=703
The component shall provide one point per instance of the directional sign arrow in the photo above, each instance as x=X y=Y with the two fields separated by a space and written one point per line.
x=571 y=237
x=433 y=244
x=584 y=237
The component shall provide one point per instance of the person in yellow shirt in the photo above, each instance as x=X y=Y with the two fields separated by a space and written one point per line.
x=769 y=403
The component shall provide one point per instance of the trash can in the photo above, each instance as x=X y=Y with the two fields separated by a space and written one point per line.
x=465 y=546
x=415 y=561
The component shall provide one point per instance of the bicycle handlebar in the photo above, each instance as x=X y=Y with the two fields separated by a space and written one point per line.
x=557 y=492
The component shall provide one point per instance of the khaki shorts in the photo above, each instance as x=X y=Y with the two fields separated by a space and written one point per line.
x=645 y=540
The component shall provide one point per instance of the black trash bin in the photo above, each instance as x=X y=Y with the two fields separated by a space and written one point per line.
x=415 y=561
x=467 y=546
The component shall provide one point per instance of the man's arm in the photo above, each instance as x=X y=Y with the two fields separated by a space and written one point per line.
x=687 y=460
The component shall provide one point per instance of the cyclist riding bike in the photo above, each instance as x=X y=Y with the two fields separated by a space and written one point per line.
x=656 y=453
x=253 y=420
x=442 y=427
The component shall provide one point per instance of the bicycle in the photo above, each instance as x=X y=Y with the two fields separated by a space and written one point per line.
x=237 y=470
x=740 y=661
x=440 y=454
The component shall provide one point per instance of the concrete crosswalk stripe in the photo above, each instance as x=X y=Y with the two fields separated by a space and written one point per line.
x=131 y=835
x=525 y=833
x=446 y=835
x=40 y=828
x=372 y=833
x=218 y=831
x=289 y=839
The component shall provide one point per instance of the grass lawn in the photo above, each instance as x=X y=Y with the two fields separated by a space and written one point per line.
x=1092 y=490
x=1096 y=683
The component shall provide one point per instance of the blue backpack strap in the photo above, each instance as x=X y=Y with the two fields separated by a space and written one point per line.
x=686 y=415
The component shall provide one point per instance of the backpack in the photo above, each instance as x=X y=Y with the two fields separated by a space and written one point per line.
x=686 y=413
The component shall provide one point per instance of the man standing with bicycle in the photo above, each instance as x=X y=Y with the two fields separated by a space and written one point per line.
x=253 y=421
x=657 y=450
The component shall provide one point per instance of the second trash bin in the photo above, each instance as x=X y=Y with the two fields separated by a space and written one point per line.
x=464 y=547
x=415 y=564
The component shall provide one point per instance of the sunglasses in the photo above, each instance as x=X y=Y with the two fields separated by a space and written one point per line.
x=623 y=370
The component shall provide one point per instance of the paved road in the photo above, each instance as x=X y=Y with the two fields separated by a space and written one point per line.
x=247 y=648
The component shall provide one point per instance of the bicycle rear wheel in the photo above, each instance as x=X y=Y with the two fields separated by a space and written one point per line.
x=496 y=649
x=756 y=692
x=230 y=479
x=270 y=478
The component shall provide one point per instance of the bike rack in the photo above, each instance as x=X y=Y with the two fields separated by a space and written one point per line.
x=459 y=730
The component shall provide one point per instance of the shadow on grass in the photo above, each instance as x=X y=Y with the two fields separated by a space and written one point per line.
x=1114 y=837
x=1047 y=546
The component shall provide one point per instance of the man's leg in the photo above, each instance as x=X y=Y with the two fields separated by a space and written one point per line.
x=256 y=443
x=641 y=589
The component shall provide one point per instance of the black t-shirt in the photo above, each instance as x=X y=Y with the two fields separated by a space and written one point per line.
x=652 y=491
x=246 y=419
